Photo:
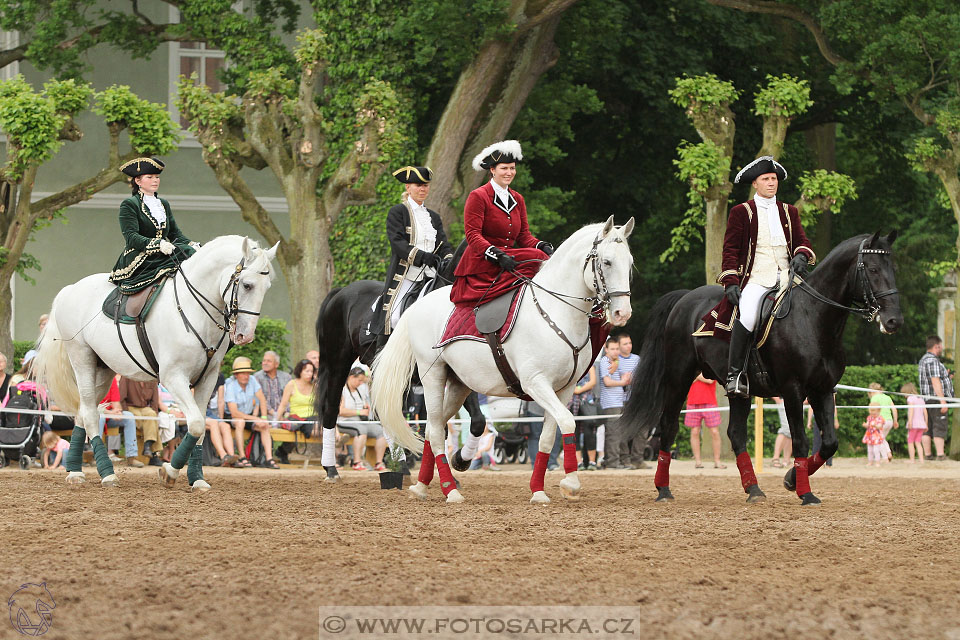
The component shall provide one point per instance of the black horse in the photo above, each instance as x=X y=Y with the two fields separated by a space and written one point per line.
x=803 y=356
x=342 y=337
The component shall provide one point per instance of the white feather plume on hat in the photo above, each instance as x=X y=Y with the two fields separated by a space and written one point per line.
x=505 y=147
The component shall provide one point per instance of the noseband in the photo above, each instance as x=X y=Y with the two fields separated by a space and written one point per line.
x=870 y=304
x=603 y=295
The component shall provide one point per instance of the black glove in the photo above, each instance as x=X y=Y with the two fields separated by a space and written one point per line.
x=445 y=264
x=799 y=264
x=546 y=247
x=500 y=258
x=732 y=292
x=425 y=258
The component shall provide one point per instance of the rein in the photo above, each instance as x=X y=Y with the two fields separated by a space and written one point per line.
x=230 y=312
x=870 y=304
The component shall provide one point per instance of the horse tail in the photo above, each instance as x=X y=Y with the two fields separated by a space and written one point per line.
x=52 y=367
x=643 y=409
x=392 y=372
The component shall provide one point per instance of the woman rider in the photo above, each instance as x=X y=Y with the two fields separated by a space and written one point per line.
x=151 y=234
x=495 y=225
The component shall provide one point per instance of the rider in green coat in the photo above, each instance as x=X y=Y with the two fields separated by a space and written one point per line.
x=152 y=236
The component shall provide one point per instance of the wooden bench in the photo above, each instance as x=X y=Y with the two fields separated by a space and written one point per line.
x=284 y=435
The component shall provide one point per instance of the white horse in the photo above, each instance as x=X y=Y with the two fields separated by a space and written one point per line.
x=591 y=267
x=217 y=292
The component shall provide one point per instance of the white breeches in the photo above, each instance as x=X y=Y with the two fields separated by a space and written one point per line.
x=750 y=298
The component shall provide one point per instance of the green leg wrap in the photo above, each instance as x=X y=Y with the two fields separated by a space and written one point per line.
x=195 y=465
x=104 y=466
x=183 y=450
x=73 y=461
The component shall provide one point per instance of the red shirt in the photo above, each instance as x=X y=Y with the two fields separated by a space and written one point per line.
x=114 y=394
x=703 y=393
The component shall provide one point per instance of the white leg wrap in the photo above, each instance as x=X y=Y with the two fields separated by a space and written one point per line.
x=328 y=456
x=469 y=449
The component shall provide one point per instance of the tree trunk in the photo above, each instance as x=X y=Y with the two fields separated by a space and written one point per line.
x=822 y=140
x=308 y=281
x=948 y=176
x=714 y=231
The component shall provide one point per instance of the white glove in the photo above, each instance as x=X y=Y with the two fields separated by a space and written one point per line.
x=195 y=245
x=166 y=248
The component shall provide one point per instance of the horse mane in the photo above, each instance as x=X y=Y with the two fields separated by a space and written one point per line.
x=584 y=235
x=233 y=244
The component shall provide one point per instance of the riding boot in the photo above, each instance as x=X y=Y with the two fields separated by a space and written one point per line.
x=381 y=341
x=740 y=342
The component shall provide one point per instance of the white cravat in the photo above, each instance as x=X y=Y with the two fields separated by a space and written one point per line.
x=502 y=192
x=772 y=212
x=156 y=208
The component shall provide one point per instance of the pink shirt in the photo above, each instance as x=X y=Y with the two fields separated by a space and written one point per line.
x=62 y=445
x=919 y=415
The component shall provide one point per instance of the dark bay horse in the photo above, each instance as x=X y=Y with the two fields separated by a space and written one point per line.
x=803 y=355
x=341 y=327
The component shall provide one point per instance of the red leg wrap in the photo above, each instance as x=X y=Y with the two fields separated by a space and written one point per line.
x=662 y=477
x=539 y=469
x=745 y=465
x=570 y=453
x=426 y=464
x=803 y=475
x=814 y=462
x=447 y=483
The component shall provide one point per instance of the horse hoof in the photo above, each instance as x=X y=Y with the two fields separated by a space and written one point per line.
x=664 y=495
x=332 y=476
x=458 y=463
x=790 y=480
x=76 y=478
x=168 y=475
x=570 y=487
x=111 y=481
x=454 y=496
x=756 y=495
x=419 y=491
x=809 y=500
x=200 y=486
x=539 y=497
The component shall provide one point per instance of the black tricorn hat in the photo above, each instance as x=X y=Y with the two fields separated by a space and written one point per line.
x=142 y=166
x=503 y=152
x=760 y=166
x=414 y=175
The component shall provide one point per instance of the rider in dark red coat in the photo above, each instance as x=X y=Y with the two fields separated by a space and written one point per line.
x=498 y=238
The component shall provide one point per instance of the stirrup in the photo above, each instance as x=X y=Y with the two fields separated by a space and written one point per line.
x=737 y=389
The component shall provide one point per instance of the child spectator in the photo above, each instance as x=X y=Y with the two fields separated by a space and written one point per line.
x=53 y=444
x=916 y=420
x=873 y=437
x=887 y=411
x=701 y=407
x=484 y=458
x=784 y=441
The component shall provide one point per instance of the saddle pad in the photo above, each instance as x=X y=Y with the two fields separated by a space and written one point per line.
x=461 y=323
x=110 y=304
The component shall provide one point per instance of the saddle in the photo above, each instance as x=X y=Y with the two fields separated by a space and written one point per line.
x=490 y=318
x=133 y=309
x=126 y=308
x=776 y=304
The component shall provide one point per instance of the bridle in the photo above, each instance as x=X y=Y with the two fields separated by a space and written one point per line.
x=603 y=296
x=230 y=312
x=869 y=306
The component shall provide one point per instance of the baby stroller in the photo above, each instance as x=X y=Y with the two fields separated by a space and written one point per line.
x=20 y=432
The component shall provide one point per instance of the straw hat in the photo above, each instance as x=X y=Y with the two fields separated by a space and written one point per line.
x=242 y=365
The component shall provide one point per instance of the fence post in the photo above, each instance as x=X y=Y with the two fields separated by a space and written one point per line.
x=758 y=436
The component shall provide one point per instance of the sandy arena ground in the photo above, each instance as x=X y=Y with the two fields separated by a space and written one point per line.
x=258 y=555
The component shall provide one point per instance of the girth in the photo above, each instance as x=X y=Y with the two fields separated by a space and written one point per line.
x=142 y=338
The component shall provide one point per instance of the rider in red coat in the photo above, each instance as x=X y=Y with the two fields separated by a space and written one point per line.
x=498 y=238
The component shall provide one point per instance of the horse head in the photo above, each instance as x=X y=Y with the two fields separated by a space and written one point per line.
x=609 y=278
x=245 y=289
x=880 y=288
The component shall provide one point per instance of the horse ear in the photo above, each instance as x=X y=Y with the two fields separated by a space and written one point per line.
x=627 y=229
x=272 y=251
x=891 y=237
x=607 y=227
x=245 y=247
x=873 y=239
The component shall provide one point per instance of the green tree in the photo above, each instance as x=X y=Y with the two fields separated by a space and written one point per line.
x=36 y=124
